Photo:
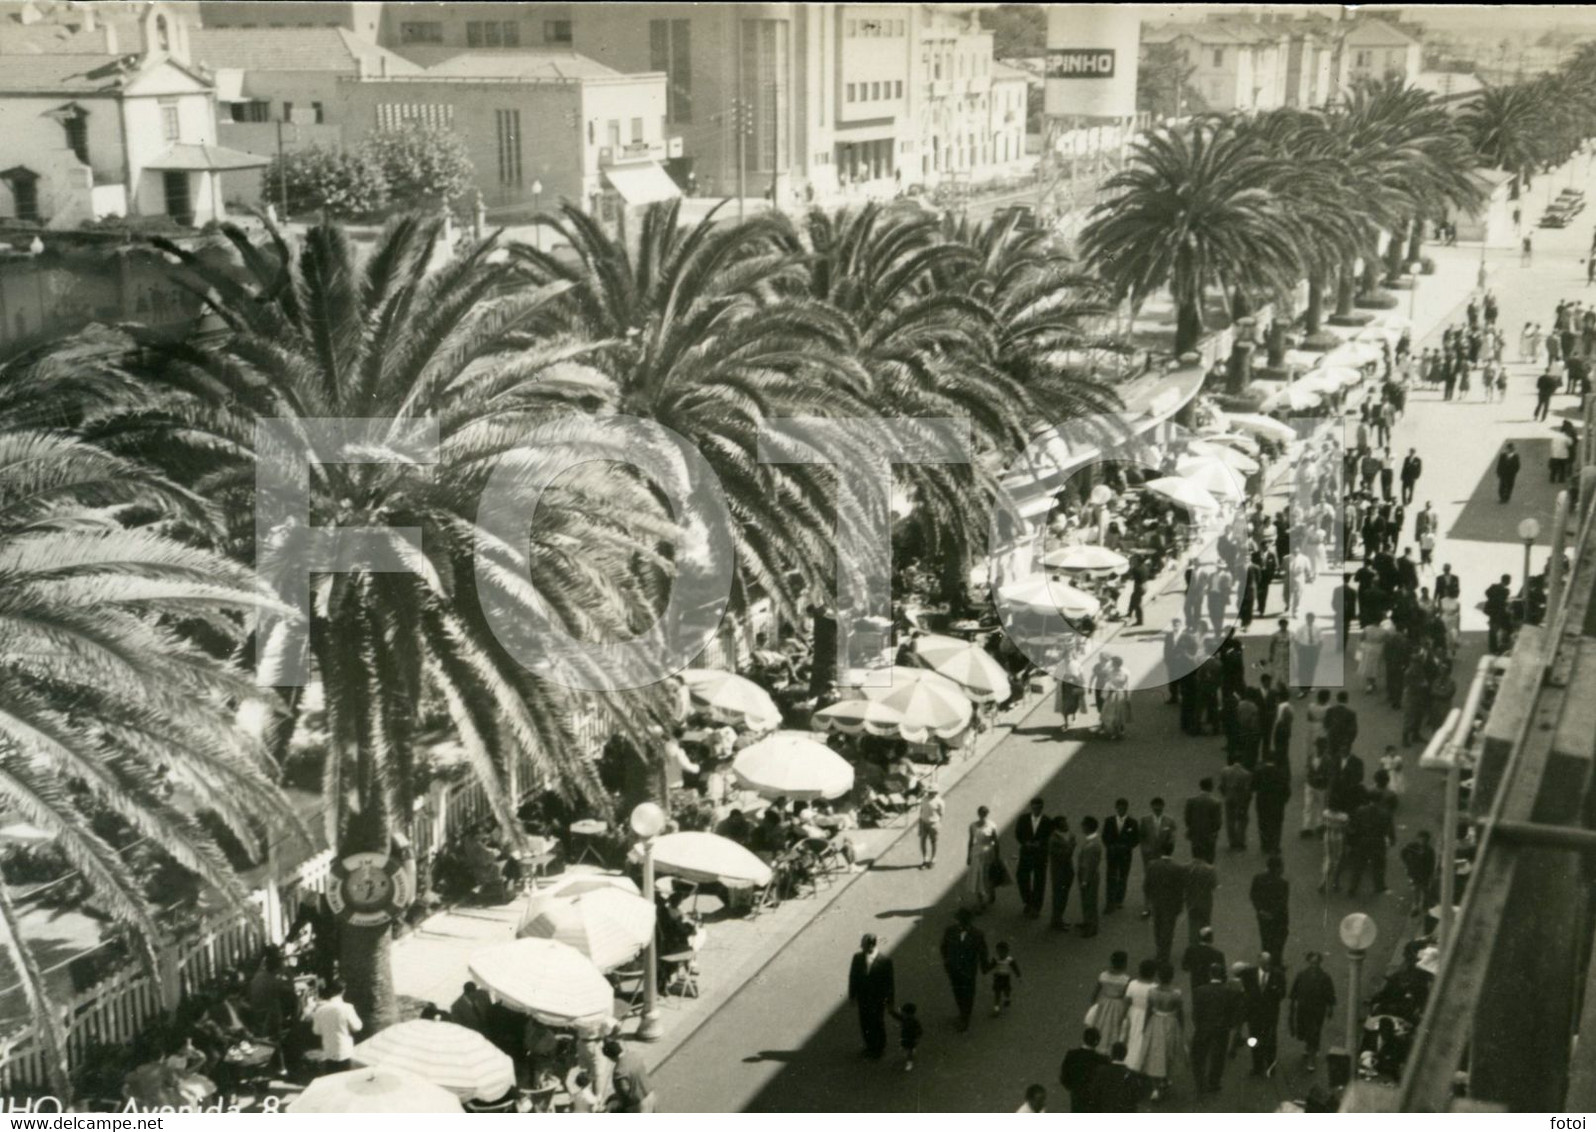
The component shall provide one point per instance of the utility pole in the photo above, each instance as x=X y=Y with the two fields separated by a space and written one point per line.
x=742 y=124
x=282 y=176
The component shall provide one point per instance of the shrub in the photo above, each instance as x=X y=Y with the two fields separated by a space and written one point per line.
x=424 y=167
x=344 y=185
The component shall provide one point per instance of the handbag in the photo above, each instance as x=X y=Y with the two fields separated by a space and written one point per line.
x=997 y=874
x=1090 y=1021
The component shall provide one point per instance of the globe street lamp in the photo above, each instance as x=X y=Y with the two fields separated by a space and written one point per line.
x=648 y=822
x=1358 y=933
x=1529 y=529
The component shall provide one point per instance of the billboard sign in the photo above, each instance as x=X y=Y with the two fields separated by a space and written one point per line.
x=1080 y=63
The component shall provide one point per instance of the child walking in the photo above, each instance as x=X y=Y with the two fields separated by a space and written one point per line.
x=1005 y=969
x=909 y=1032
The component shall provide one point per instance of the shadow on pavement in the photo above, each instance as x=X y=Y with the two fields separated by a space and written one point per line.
x=1484 y=519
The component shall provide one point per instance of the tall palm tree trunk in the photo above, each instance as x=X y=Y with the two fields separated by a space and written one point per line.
x=1369 y=283
x=365 y=959
x=1277 y=341
x=1394 y=257
x=1188 y=326
x=1415 y=239
x=1313 y=321
x=1346 y=291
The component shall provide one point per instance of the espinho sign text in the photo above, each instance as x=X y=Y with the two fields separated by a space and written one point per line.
x=1080 y=63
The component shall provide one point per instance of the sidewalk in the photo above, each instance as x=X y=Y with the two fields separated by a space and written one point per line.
x=431 y=963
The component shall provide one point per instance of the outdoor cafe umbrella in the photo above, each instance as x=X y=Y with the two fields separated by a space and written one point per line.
x=1184 y=492
x=443 y=1053
x=1292 y=397
x=1214 y=477
x=927 y=704
x=1094 y=560
x=374 y=1089
x=1050 y=595
x=1237 y=441
x=709 y=859
x=731 y=698
x=552 y=981
x=792 y=764
x=607 y=925
x=1230 y=457
x=572 y=885
x=969 y=666
x=1266 y=427
x=1331 y=378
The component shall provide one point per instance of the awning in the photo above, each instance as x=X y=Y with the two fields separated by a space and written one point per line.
x=230 y=85
x=206 y=158
x=642 y=183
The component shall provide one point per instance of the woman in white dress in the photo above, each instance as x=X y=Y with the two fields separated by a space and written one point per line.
x=982 y=854
x=1137 y=994
x=1116 y=699
x=1109 y=1007
x=1371 y=654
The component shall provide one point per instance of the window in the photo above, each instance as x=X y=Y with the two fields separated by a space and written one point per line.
x=556 y=31
x=77 y=134
x=1219 y=56
x=398 y=115
x=848 y=92
x=171 y=125
x=493 y=33
x=637 y=131
x=670 y=49
x=421 y=31
x=288 y=111
x=875 y=92
x=24 y=186
x=317 y=109
x=257 y=110
x=898 y=89
x=871 y=28
x=507 y=125
x=163 y=34
x=1362 y=58
x=613 y=130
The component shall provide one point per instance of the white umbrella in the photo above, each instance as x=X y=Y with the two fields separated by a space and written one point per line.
x=1266 y=427
x=731 y=698
x=1292 y=397
x=709 y=858
x=1239 y=441
x=927 y=704
x=1050 y=595
x=969 y=666
x=572 y=885
x=1228 y=456
x=608 y=926
x=551 y=981
x=792 y=764
x=854 y=717
x=1354 y=353
x=1330 y=379
x=1088 y=559
x=374 y=1090
x=1214 y=477
x=449 y=1056
x=1184 y=492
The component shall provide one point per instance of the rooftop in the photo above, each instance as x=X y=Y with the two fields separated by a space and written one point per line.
x=1217 y=33
x=331 y=49
x=521 y=64
x=65 y=74
x=1377 y=33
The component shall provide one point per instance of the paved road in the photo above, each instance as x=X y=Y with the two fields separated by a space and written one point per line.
x=788 y=1042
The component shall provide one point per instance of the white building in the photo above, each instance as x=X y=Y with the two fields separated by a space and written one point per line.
x=1237 y=65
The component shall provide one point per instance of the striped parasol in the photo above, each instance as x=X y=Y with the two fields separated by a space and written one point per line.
x=607 y=925
x=449 y=1056
x=969 y=666
x=732 y=699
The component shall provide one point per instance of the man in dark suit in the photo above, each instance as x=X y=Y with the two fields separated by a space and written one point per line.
x=1079 y=1066
x=964 y=958
x=1211 y=1023
x=1446 y=583
x=1088 y=870
x=1156 y=830
x=1201 y=958
x=1030 y=874
x=1166 y=892
x=1116 y=1087
x=1265 y=988
x=1412 y=469
x=1271 y=900
x=1120 y=837
x=873 y=990
x=1271 y=792
x=1313 y=1000
x=1205 y=817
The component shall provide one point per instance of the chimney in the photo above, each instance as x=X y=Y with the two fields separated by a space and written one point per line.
x=90 y=20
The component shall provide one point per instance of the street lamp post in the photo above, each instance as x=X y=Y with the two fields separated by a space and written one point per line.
x=648 y=822
x=1529 y=529
x=1358 y=933
x=537 y=210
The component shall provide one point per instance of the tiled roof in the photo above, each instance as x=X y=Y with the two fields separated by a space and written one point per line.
x=330 y=49
x=1377 y=33
x=62 y=74
x=522 y=64
x=1214 y=33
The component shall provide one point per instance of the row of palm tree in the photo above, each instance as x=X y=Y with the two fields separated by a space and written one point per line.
x=709 y=329
x=1247 y=206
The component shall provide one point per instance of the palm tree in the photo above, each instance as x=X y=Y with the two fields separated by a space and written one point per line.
x=1193 y=208
x=107 y=703
x=1507 y=126
x=709 y=330
x=318 y=331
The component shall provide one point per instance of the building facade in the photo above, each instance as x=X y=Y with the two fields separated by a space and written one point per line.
x=1236 y=65
x=1376 y=50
